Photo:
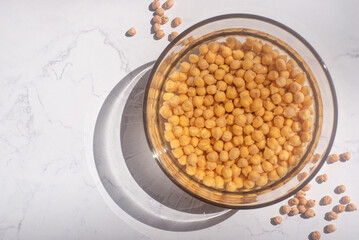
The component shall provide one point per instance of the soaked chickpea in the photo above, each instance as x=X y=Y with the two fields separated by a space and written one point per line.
x=238 y=115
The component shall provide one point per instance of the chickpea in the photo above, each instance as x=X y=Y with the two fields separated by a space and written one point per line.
x=227 y=172
x=160 y=34
x=326 y=200
x=309 y=213
x=267 y=166
x=281 y=171
x=351 y=207
x=227 y=136
x=346 y=156
x=277 y=220
x=204 y=144
x=333 y=158
x=285 y=209
x=208 y=181
x=155 y=4
x=248 y=184
x=331 y=215
x=295 y=140
x=306 y=187
x=330 y=228
x=280 y=65
x=231 y=187
x=301 y=208
x=131 y=32
x=322 y=178
x=293 y=201
x=315 y=235
x=157 y=19
x=208 y=101
x=168 y=4
x=273 y=75
x=281 y=81
x=192 y=159
x=293 y=211
x=173 y=35
x=212 y=156
x=223 y=156
x=164 y=19
x=233 y=153
x=160 y=12
x=263 y=180
x=340 y=189
x=156 y=27
x=300 y=194
x=345 y=200
x=310 y=203
x=176 y=22
x=211 y=165
x=253 y=176
x=289 y=112
x=210 y=57
x=178 y=152
x=339 y=208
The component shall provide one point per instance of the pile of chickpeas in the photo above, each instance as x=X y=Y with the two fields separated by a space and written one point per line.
x=237 y=115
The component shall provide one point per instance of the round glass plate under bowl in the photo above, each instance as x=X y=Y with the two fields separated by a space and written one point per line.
x=288 y=42
x=132 y=180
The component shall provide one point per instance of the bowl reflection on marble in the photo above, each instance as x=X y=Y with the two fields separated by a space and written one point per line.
x=288 y=42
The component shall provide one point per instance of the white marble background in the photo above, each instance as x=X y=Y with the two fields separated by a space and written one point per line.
x=58 y=62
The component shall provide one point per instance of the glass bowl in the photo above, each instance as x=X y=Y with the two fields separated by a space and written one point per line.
x=287 y=41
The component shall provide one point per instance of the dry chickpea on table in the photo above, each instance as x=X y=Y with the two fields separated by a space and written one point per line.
x=237 y=114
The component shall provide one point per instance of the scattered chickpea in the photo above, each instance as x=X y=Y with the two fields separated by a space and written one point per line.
x=164 y=19
x=351 y=207
x=345 y=200
x=131 y=32
x=301 y=208
x=346 y=156
x=155 y=4
x=293 y=211
x=157 y=19
x=309 y=213
x=300 y=194
x=333 y=158
x=339 y=208
x=331 y=216
x=326 y=200
x=322 y=178
x=160 y=34
x=277 y=220
x=168 y=4
x=302 y=201
x=340 y=189
x=293 y=201
x=176 y=22
x=310 y=203
x=285 y=209
x=160 y=12
x=173 y=35
x=315 y=235
x=306 y=187
x=330 y=228
x=156 y=27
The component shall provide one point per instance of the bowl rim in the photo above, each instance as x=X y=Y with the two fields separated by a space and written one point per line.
x=290 y=31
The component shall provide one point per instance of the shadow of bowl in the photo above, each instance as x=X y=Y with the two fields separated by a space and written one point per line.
x=129 y=172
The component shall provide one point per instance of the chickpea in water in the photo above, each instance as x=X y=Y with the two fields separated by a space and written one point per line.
x=235 y=114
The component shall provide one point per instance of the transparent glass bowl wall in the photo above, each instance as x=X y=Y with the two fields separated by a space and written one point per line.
x=288 y=41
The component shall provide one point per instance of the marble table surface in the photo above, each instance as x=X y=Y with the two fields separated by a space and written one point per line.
x=59 y=60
